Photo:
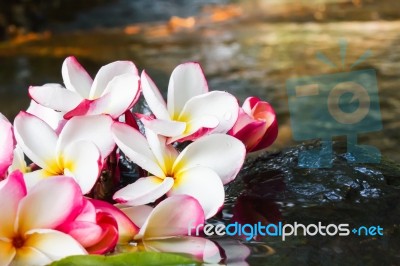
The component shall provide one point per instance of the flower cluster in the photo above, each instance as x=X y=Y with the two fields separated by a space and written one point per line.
x=71 y=133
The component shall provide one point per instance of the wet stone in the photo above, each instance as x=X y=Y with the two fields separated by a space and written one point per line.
x=272 y=188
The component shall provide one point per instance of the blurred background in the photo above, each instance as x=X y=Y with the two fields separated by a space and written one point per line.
x=248 y=48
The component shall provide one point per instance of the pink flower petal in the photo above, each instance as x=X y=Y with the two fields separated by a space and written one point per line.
x=36 y=138
x=144 y=190
x=82 y=161
x=269 y=136
x=109 y=72
x=75 y=77
x=127 y=229
x=86 y=233
x=186 y=81
x=153 y=97
x=55 y=97
x=222 y=153
x=7 y=144
x=204 y=185
x=12 y=190
x=50 y=203
x=109 y=238
x=176 y=213
x=96 y=129
x=134 y=145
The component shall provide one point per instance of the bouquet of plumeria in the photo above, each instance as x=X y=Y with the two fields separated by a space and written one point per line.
x=74 y=134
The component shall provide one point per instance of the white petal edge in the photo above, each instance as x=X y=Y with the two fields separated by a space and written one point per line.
x=186 y=81
x=153 y=97
x=36 y=138
x=55 y=97
x=145 y=190
x=107 y=73
x=75 y=77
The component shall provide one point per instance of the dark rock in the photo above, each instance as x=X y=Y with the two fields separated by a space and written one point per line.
x=273 y=188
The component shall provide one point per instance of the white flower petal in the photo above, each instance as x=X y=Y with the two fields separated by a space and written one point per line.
x=153 y=97
x=32 y=178
x=36 y=138
x=165 y=154
x=54 y=244
x=144 y=190
x=186 y=81
x=222 y=153
x=96 y=129
x=55 y=97
x=202 y=184
x=30 y=256
x=82 y=161
x=75 y=77
x=221 y=105
x=121 y=93
x=165 y=128
x=107 y=73
x=136 y=147
x=53 y=118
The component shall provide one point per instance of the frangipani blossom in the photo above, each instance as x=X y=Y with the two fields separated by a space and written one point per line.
x=165 y=228
x=191 y=111
x=28 y=220
x=97 y=227
x=113 y=91
x=77 y=152
x=256 y=125
x=7 y=144
x=200 y=170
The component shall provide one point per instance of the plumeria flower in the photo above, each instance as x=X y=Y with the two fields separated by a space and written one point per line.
x=96 y=228
x=114 y=90
x=7 y=144
x=191 y=110
x=165 y=228
x=200 y=170
x=77 y=152
x=256 y=125
x=28 y=220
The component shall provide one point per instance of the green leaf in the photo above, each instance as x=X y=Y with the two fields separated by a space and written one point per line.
x=136 y=258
